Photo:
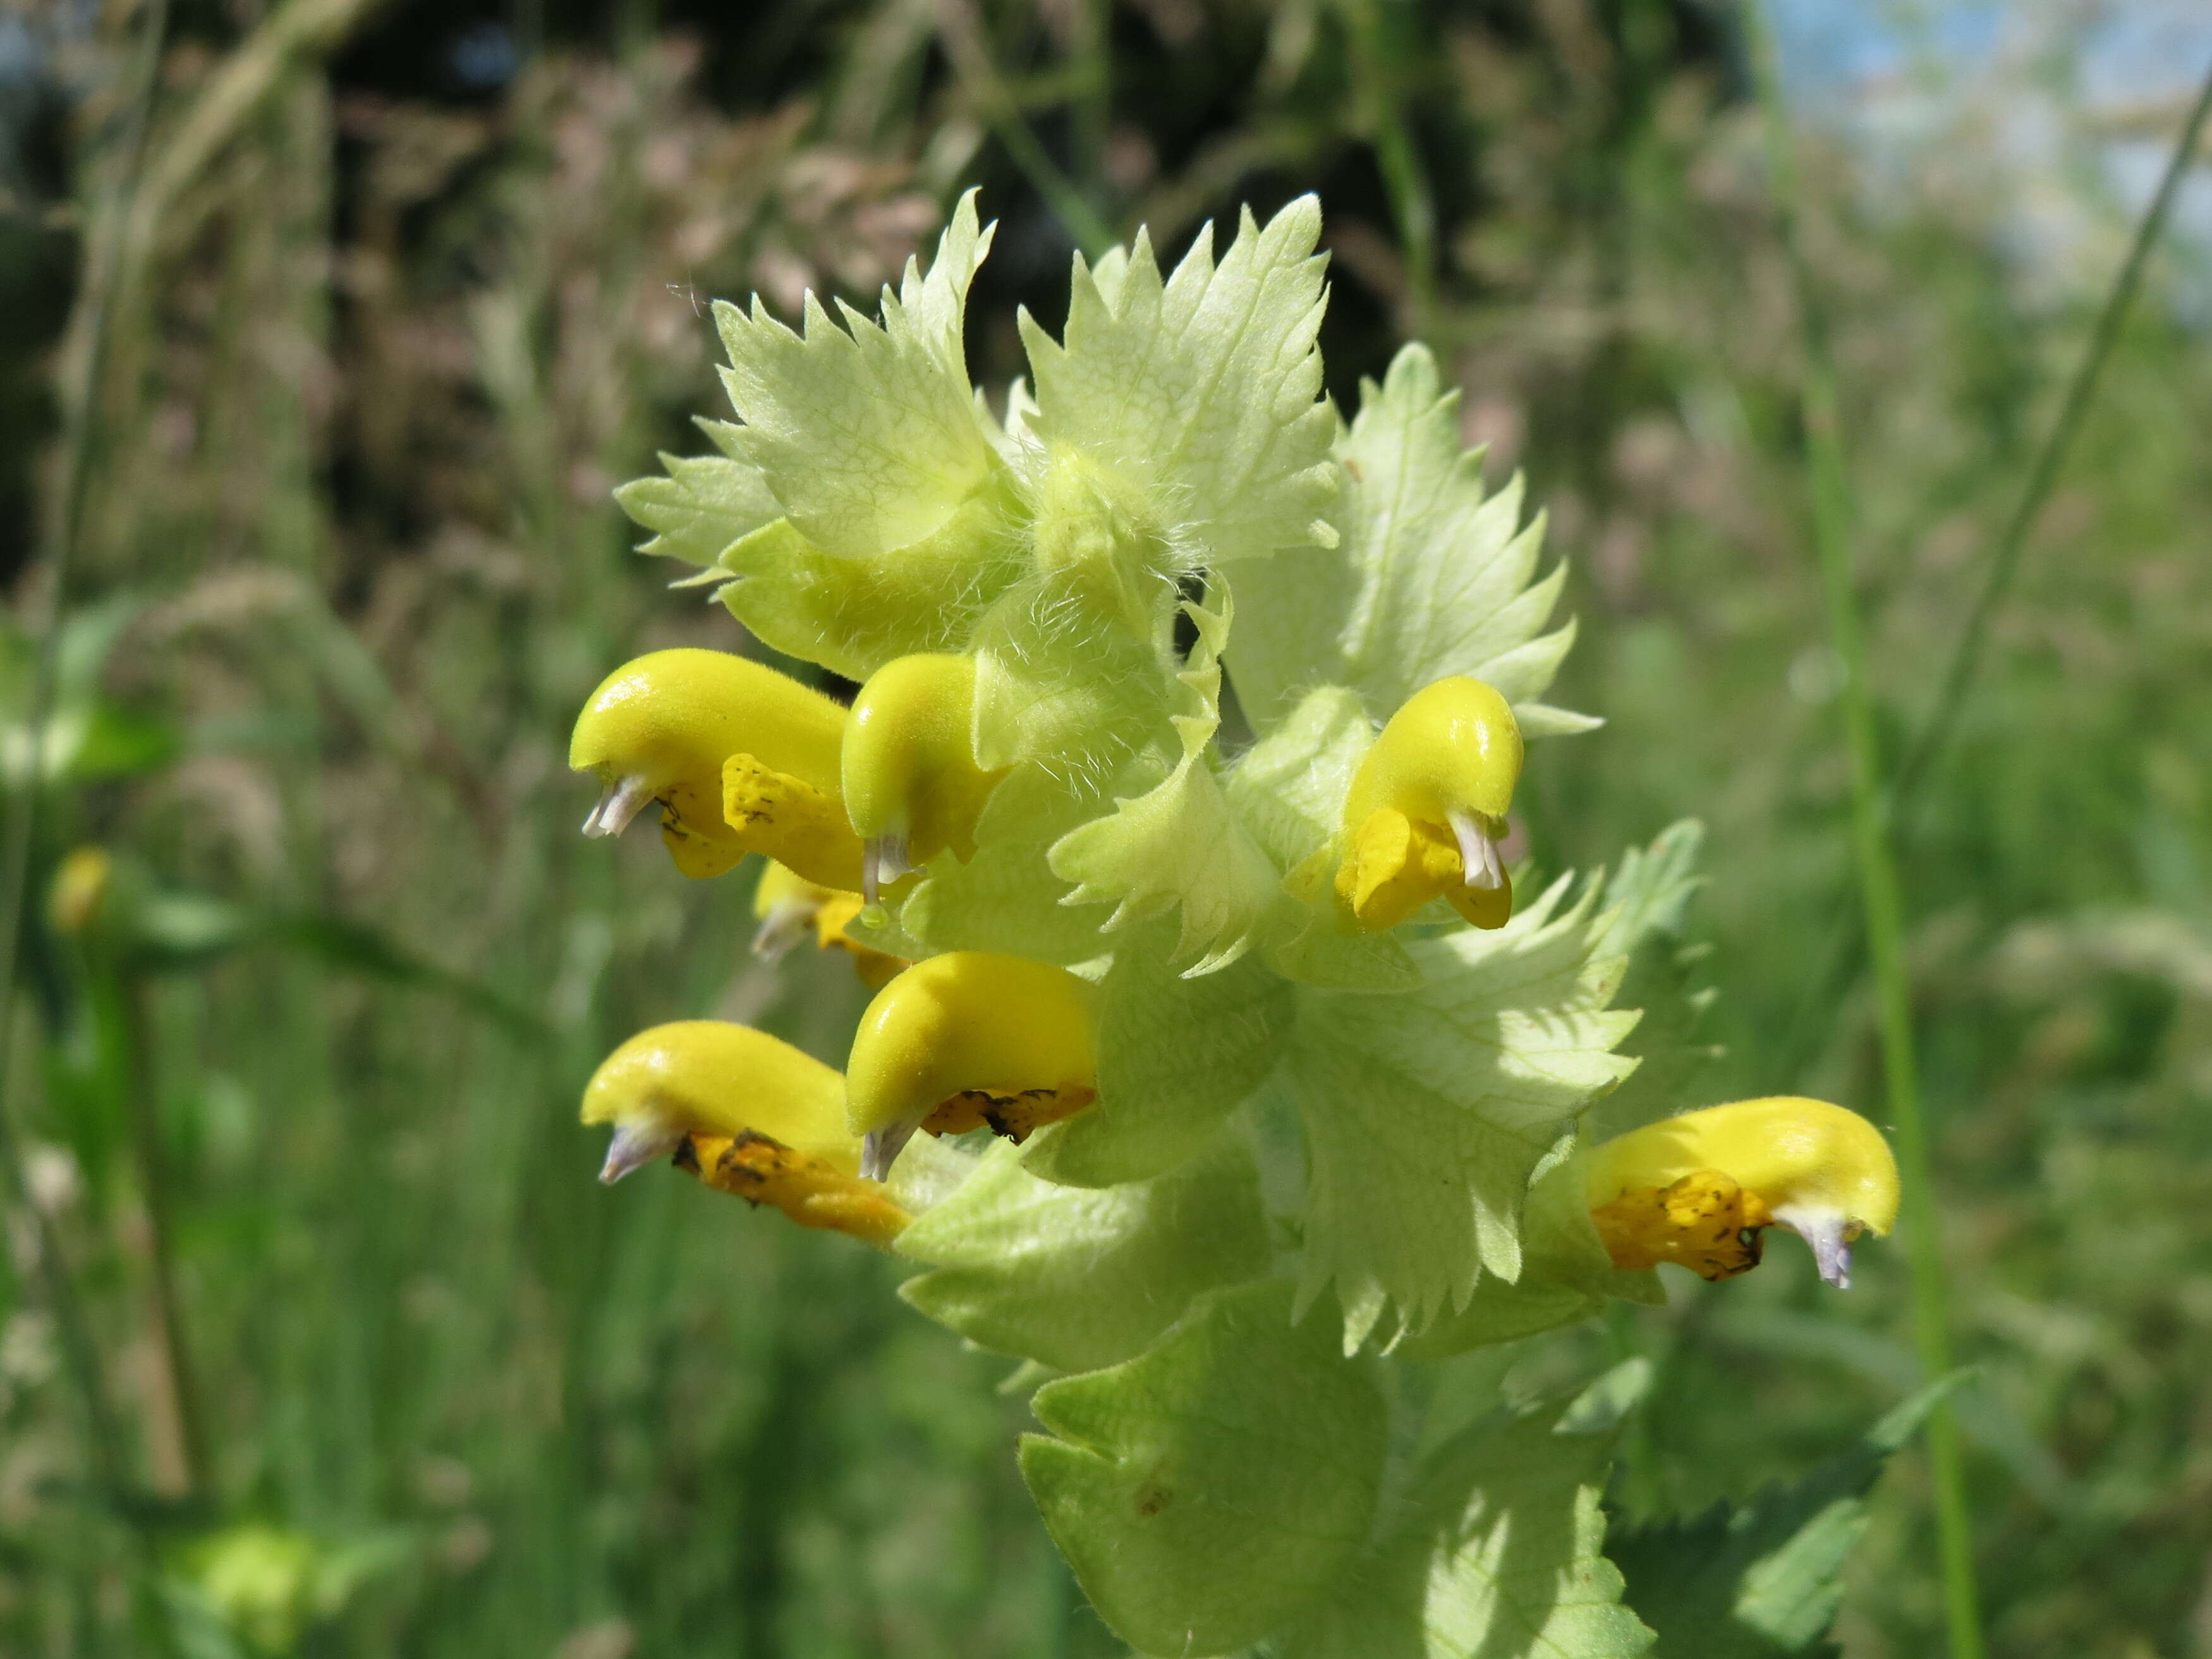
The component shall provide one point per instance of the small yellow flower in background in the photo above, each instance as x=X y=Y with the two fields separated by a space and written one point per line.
x=1697 y=1189
x=80 y=885
x=741 y=758
x=747 y=1114
x=912 y=786
x=966 y=1040
x=260 y=1580
x=1427 y=809
x=789 y=908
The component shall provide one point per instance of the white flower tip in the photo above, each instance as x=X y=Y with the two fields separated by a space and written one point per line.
x=880 y=1150
x=636 y=1143
x=782 y=928
x=1479 y=862
x=619 y=803
x=1829 y=1234
x=883 y=861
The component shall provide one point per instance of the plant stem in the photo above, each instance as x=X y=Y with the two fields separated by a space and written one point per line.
x=1377 y=56
x=1840 y=958
x=2004 y=564
x=81 y=372
x=1883 y=904
x=1094 y=101
x=83 y=365
x=141 y=1105
x=962 y=33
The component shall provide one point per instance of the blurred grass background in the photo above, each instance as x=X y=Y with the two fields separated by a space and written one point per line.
x=397 y=293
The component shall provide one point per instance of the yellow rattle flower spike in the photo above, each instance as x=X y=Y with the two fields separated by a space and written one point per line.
x=1697 y=1189
x=1427 y=808
x=911 y=784
x=748 y=1115
x=789 y=907
x=741 y=758
x=966 y=1040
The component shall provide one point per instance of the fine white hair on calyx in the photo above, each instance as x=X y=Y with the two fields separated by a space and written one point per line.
x=1478 y=851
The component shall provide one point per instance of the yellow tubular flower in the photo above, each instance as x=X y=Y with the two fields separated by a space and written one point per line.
x=789 y=907
x=911 y=784
x=670 y=726
x=966 y=1040
x=747 y=1114
x=1696 y=1189
x=1427 y=809
x=80 y=886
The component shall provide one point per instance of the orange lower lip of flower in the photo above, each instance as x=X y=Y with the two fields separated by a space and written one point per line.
x=1704 y=1222
x=811 y=1191
x=1012 y=1117
x=1396 y=864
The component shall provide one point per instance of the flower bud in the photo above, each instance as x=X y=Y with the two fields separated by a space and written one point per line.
x=911 y=785
x=789 y=908
x=1427 y=808
x=81 y=883
x=970 y=1039
x=672 y=725
x=747 y=1114
x=1697 y=1189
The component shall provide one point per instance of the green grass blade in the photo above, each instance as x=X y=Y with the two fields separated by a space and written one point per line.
x=81 y=375
x=1877 y=860
x=2004 y=564
x=1840 y=955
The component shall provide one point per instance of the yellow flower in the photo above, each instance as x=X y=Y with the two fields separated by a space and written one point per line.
x=970 y=1039
x=911 y=784
x=789 y=907
x=81 y=885
x=1699 y=1190
x=740 y=758
x=1427 y=808
x=747 y=1114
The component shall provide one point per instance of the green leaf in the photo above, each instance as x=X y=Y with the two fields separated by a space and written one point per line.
x=1005 y=897
x=867 y=434
x=1178 y=847
x=1565 y=1276
x=1078 y=1279
x=1200 y=400
x=703 y=506
x=1175 y=1057
x=1206 y=1490
x=1764 y=1580
x=1653 y=886
x=1432 y=577
x=852 y=615
x=1492 y=1553
x=1427 y=1115
x=358 y=947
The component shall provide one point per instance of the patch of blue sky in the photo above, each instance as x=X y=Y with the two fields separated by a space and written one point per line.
x=2073 y=107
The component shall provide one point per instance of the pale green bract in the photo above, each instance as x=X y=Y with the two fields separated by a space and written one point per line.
x=1493 y=1550
x=1427 y=1115
x=1432 y=577
x=1178 y=846
x=1318 y=1159
x=1209 y=1489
